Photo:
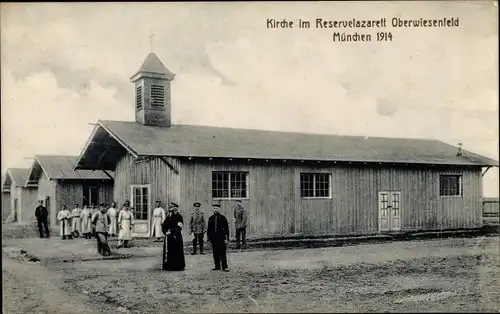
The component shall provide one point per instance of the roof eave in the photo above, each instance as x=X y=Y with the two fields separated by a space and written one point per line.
x=90 y=140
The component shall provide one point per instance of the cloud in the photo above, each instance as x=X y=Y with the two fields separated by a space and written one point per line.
x=43 y=118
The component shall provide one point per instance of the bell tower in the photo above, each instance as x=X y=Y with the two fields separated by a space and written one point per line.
x=152 y=93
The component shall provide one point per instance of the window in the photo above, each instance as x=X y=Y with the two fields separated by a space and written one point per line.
x=138 y=97
x=90 y=196
x=229 y=184
x=450 y=185
x=157 y=96
x=140 y=201
x=315 y=185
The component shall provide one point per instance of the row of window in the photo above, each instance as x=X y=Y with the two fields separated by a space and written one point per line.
x=313 y=185
x=231 y=185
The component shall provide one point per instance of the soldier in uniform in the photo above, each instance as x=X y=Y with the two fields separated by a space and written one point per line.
x=197 y=227
x=218 y=235
x=240 y=225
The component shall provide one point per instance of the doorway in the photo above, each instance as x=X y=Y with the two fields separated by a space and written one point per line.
x=389 y=213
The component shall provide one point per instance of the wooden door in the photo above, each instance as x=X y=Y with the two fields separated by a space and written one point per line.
x=47 y=205
x=140 y=201
x=389 y=203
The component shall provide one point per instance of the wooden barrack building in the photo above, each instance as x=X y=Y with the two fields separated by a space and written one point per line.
x=59 y=184
x=292 y=184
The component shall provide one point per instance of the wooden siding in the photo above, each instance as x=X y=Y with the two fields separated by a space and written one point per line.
x=5 y=205
x=47 y=188
x=70 y=192
x=491 y=207
x=163 y=180
x=26 y=203
x=276 y=208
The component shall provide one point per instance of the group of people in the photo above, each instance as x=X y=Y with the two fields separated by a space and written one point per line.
x=90 y=222
x=217 y=231
x=167 y=226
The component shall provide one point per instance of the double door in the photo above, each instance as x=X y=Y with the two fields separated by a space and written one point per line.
x=389 y=204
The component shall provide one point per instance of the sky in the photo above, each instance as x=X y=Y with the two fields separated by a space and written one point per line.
x=64 y=66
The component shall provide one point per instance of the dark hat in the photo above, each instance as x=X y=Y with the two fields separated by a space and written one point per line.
x=238 y=201
x=216 y=205
x=173 y=205
x=196 y=204
x=158 y=201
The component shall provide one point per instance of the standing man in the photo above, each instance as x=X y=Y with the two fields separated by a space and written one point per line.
x=101 y=221
x=156 y=224
x=173 y=245
x=112 y=213
x=76 y=221
x=218 y=235
x=64 y=229
x=240 y=224
x=42 y=214
x=197 y=227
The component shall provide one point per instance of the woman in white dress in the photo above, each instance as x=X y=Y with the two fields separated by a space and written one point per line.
x=125 y=222
x=76 y=221
x=156 y=225
x=64 y=216
x=86 y=216
x=112 y=213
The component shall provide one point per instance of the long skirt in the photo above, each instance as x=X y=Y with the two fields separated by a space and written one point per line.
x=173 y=252
x=102 y=243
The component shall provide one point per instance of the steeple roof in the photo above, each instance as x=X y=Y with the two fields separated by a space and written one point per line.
x=153 y=64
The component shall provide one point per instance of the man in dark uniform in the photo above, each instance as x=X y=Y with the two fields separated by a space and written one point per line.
x=42 y=214
x=218 y=235
x=197 y=227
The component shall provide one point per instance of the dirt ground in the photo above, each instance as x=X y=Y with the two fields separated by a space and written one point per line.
x=418 y=276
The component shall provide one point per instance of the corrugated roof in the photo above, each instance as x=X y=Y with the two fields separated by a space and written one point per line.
x=62 y=167
x=207 y=141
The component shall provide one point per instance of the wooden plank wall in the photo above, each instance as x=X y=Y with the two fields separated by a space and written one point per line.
x=70 y=192
x=15 y=193
x=491 y=207
x=276 y=208
x=5 y=205
x=47 y=188
x=164 y=181
x=28 y=204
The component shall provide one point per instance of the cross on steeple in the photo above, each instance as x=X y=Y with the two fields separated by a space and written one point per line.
x=151 y=40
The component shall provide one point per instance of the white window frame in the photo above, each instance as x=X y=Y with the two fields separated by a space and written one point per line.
x=247 y=174
x=132 y=194
x=460 y=184
x=314 y=186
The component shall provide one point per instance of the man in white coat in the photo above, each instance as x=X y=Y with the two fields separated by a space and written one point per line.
x=64 y=229
x=156 y=224
x=112 y=213
x=76 y=221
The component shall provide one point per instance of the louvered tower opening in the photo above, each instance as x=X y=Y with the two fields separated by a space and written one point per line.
x=157 y=96
x=138 y=97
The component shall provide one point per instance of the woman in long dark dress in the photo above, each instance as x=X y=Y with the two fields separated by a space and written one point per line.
x=173 y=246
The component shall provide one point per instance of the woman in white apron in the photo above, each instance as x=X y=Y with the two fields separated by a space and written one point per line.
x=126 y=222
x=64 y=229
x=112 y=213
x=86 y=216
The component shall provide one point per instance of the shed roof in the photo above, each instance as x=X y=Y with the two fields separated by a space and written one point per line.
x=217 y=142
x=62 y=167
x=18 y=176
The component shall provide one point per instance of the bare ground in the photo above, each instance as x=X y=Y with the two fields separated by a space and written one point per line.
x=458 y=275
